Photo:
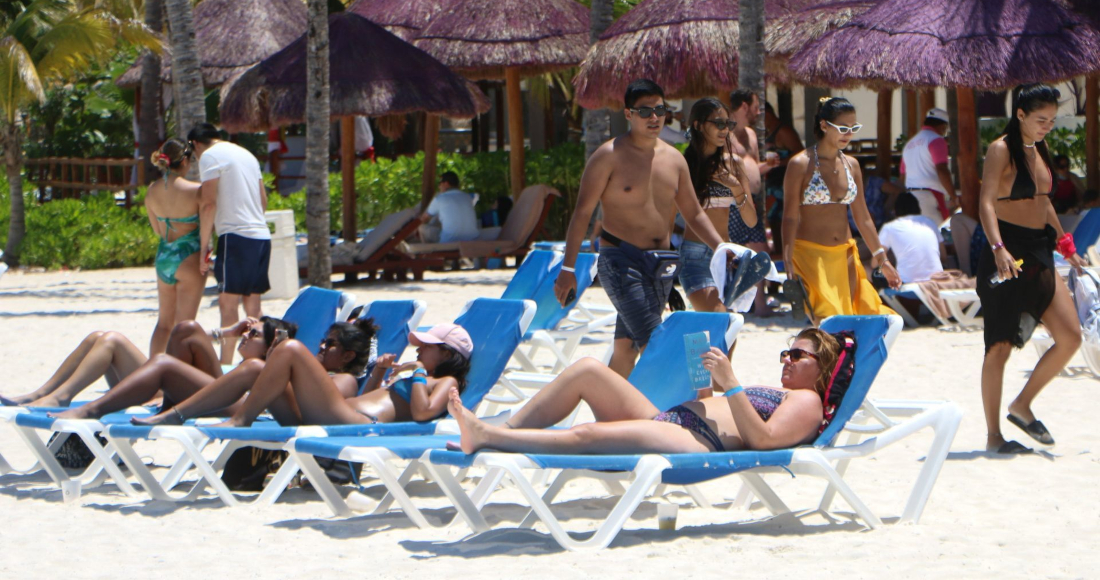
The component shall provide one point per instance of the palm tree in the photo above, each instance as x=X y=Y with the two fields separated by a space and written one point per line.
x=317 y=135
x=750 y=72
x=43 y=42
x=597 y=122
x=186 y=68
x=149 y=134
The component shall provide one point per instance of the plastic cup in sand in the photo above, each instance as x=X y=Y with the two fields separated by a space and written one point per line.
x=70 y=491
x=666 y=516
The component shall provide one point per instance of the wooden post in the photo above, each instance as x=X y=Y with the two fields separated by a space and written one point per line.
x=926 y=99
x=1092 y=132
x=431 y=147
x=883 y=149
x=911 y=126
x=968 y=151
x=347 y=170
x=498 y=102
x=515 y=129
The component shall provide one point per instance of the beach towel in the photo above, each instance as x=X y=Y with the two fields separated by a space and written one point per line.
x=737 y=285
x=824 y=271
x=945 y=280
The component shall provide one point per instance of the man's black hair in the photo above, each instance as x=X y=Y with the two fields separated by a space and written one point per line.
x=740 y=97
x=641 y=88
x=906 y=204
x=451 y=178
x=203 y=133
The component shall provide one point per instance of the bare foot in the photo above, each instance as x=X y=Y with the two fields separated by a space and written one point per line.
x=231 y=422
x=15 y=401
x=169 y=417
x=49 y=401
x=81 y=412
x=471 y=428
x=1022 y=412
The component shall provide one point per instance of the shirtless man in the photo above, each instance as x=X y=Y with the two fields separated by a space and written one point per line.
x=641 y=181
x=745 y=107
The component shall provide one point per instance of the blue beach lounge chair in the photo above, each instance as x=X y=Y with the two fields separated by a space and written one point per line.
x=661 y=374
x=495 y=326
x=816 y=460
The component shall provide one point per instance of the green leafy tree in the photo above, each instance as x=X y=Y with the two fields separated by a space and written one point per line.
x=44 y=42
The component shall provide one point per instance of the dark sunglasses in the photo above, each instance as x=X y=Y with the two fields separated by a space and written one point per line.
x=721 y=124
x=253 y=332
x=329 y=343
x=796 y=354
x=647 y=112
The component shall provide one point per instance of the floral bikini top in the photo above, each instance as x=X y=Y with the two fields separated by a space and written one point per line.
x=817 y=192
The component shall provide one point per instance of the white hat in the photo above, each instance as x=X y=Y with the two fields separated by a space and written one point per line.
x=938 y=114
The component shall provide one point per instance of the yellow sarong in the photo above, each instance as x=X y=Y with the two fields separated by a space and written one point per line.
x=825 y=272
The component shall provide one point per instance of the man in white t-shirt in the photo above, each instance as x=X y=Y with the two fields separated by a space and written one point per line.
x=924 y=170
x=233 y=204
x=914 y=239
x=450 y=216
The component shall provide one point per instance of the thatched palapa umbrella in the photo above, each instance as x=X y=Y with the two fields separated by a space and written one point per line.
x=492 y=39
x=372 y=73
x=404 y=18
x=967 y=44
x=233 y=35
x=801 y=22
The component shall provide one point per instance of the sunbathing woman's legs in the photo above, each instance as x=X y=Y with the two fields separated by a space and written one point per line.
x=178 y=381
x=100 y=354
x=629 y=436
x=611 y=397
x=190 y=343
x=220 y=394
x=317 y=397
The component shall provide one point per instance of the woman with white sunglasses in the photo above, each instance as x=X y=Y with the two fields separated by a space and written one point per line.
x=820 y=186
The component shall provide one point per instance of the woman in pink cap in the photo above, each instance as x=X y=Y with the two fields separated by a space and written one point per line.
x=312 y=398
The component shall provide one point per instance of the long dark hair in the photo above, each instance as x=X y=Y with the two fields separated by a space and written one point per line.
x=272 y=324
x=456 y=365
x=702 y=169
x=356 y=337
x=828 y=109
x=1026 y=98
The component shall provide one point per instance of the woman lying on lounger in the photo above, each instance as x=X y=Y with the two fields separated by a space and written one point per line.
x=316 y=397
x=177 y=377
x=112 y=356
x=626 y=422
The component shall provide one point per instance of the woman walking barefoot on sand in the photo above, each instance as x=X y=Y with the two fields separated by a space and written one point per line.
x=173 y=207
x=1021 y=224
x=112 y=356
x=627 y=422
x=177 y=379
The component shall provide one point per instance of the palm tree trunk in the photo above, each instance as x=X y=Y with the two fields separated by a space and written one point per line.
x=149 y=118
x=11 y=141
x=750 y=70
x=186 y=68
x=597 y=122
x=317 y=137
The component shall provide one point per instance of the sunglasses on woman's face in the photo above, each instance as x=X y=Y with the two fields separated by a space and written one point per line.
x=844 y=129
x=253 y=332
x=796 y=354
x=328 y=343
x=722 y=124
x=647 y=112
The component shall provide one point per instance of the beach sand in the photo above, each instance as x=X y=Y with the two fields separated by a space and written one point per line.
x=988 y=517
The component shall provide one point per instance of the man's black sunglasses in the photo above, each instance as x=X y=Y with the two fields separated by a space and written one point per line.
x=647 y=112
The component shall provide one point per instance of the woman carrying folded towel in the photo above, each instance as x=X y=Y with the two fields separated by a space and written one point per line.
x=317 y=397
x=756 y=417
x=177 y=377
x=113 y=357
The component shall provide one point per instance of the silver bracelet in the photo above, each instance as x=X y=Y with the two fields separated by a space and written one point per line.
x=567 y=269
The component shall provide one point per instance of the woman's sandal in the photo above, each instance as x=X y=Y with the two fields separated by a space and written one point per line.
x=1035 y=429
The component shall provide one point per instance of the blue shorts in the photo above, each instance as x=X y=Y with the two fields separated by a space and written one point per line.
x=241 y=267
x=638 y=295
x=695 y=267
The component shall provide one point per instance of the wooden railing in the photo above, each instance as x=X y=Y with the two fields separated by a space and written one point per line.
x=70 y=177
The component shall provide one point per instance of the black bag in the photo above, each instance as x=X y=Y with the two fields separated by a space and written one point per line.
x=74 y=453
x=878 y=279
x=676 y=301
x=841 y=377
x=663 y=264
x=247 y=468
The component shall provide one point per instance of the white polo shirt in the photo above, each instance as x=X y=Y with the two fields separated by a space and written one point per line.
x=240 y=208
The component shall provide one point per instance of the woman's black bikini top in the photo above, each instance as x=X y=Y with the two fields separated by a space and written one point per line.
x=1024 y=188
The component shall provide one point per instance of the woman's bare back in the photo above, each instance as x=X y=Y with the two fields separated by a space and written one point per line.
x=176 y=199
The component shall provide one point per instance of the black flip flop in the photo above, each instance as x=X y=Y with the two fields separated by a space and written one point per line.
x=1013 y=448
x=1035 y=429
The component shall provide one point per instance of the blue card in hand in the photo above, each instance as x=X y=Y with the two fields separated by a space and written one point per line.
x=694 y=346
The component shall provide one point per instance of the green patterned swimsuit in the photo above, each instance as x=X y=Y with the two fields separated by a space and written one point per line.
x=171 y=254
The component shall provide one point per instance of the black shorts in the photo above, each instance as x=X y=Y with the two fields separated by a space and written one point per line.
x=241 y=267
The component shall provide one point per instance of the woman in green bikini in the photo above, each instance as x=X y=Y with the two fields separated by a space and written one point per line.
x=173 y=207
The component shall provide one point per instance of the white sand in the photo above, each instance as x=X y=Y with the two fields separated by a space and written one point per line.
x=1034 y=516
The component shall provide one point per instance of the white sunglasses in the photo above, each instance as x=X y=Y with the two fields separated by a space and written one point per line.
x=843 y=130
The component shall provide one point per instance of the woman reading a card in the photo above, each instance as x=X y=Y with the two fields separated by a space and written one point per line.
x=756 y=417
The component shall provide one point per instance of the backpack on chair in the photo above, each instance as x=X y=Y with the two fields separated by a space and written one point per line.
x=841 y=378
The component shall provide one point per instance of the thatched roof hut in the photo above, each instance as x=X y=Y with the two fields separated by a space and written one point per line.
x=273 y=93
x=482 y=38
x=404 y=18
x=802 y=22
x=233 y=35
x=981 y=44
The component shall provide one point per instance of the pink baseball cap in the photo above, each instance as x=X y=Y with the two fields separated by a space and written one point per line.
x=451 y=335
